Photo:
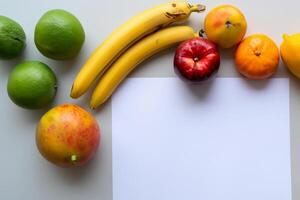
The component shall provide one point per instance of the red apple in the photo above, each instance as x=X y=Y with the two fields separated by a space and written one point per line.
x=197 y=60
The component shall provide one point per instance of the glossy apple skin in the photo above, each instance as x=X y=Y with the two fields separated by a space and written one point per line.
x=197 y=60
x=68 y=136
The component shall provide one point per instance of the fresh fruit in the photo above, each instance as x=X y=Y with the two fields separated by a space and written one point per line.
x=125 y=36
x=225 y=25
x=197 y=60
x=257 y=57
x=32 y=85
x=289 y=50
x=68 y=136
x=12 y=38
x=59 y=35
x=142 y=50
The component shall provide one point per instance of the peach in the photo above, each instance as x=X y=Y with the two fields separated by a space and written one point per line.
x=68 y=136
x=225 y=25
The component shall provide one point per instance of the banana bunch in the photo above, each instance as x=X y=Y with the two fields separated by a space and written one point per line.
x=130 y=44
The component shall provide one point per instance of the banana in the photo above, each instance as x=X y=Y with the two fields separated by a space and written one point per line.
x=136 y=54
x=125 y=36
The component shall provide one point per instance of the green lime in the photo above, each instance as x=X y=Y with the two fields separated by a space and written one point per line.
x=32 y=85
x=59 y=35
x=12 y=38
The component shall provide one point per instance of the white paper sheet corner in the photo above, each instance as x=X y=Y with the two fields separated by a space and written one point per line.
x=228 y=140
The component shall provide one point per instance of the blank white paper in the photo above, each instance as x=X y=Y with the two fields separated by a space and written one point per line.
x=224 y=140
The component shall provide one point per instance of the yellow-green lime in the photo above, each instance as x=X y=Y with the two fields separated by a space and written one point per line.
x=32 y=85
x=59 y=35
x=12 y=38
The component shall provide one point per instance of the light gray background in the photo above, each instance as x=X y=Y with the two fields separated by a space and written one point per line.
x=24 y=174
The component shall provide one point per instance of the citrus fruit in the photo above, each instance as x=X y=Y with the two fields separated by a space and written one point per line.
x=68 y=136
x=257 y=57
x=59 y=35
x=225 y=25
x=12 y=38
x=32 y=85
x=289 y=50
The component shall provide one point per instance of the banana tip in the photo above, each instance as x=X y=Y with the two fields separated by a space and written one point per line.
x=92 y=107
x=73 y=96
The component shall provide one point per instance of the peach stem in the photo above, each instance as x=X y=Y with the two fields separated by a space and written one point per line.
x=73 y=158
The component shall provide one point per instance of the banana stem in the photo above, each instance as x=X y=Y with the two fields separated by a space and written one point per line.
x=201 y=33
x=198 y=8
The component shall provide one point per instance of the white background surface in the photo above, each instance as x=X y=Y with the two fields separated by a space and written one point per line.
x=215 y=141
x=25 y=175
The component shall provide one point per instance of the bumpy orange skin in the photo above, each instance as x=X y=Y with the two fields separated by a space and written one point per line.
x=257 y=57
x=68 y=136
x=225 y=25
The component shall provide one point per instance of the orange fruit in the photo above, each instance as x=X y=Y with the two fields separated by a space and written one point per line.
x=257 y=57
